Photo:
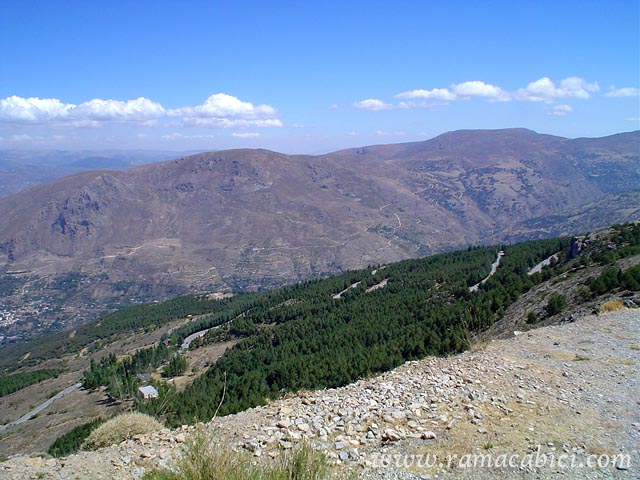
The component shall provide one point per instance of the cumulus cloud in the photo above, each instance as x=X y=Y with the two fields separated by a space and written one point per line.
x=561 y=110
x=459 y=91
x=545 y=90
x=541 y=90
x=219 y=110
x=477 y=88
x=98 y=110
x=622 y=92
x=227 y=111
x=372 y=104
x=433 y=94
x=34 y=110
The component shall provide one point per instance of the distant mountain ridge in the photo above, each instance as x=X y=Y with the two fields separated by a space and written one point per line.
x=241 y=219
x=21 y=169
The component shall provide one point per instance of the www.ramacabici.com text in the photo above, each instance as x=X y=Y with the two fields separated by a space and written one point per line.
x=535 y=460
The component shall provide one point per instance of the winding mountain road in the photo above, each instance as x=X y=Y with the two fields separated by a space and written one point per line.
x=187 y=341
x=494 y=269
x=546 y=262
x=41 y=407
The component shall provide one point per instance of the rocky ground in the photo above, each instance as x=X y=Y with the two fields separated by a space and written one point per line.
x=568 y=394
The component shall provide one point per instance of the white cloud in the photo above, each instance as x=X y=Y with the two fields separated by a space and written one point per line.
x=622 y=92
x=372 y=104
x=538 y=91
x=542 y=90
x=219 y=110
x=420 y=94
x=98 y=110
x=34 y=110
x=477 y=88
x=459 y=91
x=561 y=110
x=245 y=135
x=545 y=90
x=576 y=87
x=227 y=111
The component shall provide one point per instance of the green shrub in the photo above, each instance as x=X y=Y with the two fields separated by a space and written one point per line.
x=556 y=304
x=71 y=441
x=614 y=278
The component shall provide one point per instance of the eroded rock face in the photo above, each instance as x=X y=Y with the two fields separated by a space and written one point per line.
x=567 y=389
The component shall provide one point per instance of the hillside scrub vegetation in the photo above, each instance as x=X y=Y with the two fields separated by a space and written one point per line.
x=119 y=428
x=129 y=320
x=613 y=278
x=300 y=337
x=203 y=461
x=71 y=441
x=303 y=337
x=120 y=375
x=611 y=306
x=556 y=304
x=19 y=380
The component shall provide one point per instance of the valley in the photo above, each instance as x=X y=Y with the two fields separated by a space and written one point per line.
x=243 y=321
x=242 y=220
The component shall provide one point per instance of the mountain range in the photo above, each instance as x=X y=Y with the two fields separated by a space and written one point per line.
x=248 y=219
x=21 y=169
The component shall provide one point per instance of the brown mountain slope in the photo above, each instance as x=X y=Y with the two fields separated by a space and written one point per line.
x=251 y=218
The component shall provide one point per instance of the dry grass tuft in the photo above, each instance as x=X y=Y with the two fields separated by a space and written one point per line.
x=202 y=461
x=120 y=428
x=611 y=306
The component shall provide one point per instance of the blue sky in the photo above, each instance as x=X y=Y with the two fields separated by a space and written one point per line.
x=310 y=77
